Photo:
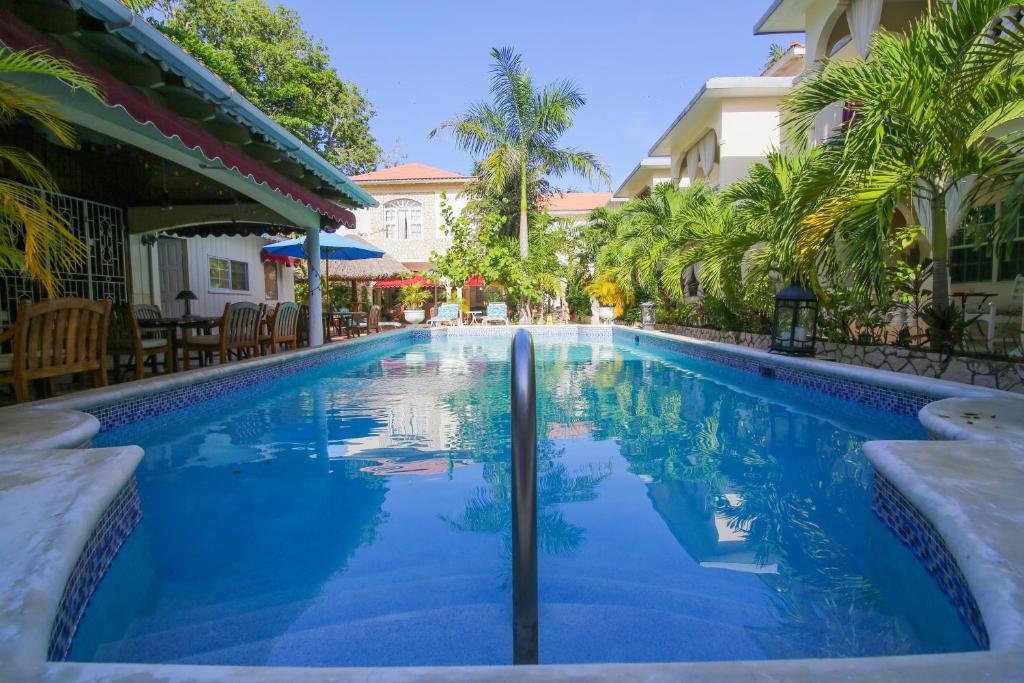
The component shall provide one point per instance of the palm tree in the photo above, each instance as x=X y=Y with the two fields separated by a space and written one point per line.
x=660 y=237
x=35 y=238
x=921 y=114
x=517 y=134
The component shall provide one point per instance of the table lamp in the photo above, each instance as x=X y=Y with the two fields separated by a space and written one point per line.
x=187 y=296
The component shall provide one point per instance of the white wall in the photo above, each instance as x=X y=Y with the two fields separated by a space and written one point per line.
x=239 y=249
x=370 y=222
x=145 y=274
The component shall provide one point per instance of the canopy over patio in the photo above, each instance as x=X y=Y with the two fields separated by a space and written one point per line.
x=170 y=146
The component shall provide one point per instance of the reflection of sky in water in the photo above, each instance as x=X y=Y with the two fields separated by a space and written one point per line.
x=359 y=515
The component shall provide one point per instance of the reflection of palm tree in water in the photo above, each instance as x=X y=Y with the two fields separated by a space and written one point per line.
x=678 y=429
x=490 y=510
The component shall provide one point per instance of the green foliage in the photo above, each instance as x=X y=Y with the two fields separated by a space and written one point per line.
x=479 y=247
x=515 y=138
x=413 y=297
x=775 y=53
x=926 y=113
x=36 y=238
x=947 y=326
x=266 y=54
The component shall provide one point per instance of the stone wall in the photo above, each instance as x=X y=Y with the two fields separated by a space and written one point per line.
x=993 y=374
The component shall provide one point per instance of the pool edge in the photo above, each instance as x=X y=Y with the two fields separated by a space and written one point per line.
x=1005 y=661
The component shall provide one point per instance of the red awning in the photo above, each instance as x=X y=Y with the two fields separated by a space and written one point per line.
x=17 y=35
x=475 y=281
x=414 y=281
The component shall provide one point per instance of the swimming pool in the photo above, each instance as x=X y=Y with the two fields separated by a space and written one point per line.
x=358 y=514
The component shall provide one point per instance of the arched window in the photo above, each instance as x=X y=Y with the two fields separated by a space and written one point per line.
x=403 y=220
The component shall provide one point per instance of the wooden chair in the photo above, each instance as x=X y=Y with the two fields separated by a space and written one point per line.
x=147 y=312
x=281 y=328
x=372 y=323
x=127 y=338
x=53 y=338
x=238 y=332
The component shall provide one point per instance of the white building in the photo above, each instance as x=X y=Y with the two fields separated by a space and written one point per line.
x=407 y=223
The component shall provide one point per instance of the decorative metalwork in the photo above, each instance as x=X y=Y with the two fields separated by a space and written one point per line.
x=104 y=275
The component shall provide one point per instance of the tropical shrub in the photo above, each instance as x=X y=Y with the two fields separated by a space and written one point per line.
x=36 y=238
x=413 y=297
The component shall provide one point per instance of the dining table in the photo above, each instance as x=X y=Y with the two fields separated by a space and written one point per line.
x=347 y=319
x=171 y=326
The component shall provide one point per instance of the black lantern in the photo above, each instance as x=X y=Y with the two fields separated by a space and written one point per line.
x=647 y=315
x=796 y=320
x=188 y=296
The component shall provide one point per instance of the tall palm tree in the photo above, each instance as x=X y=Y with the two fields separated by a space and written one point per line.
x=34 y=237
x=517 y=134
x=922 y=113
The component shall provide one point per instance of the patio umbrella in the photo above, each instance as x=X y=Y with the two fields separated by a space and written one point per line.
x=333 y=247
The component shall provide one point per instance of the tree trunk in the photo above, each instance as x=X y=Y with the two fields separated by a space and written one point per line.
x=524 y=220
x=940 y=249
x=940 y=282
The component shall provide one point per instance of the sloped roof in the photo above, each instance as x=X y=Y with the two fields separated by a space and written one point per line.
x=408 y=172
x=575 y=201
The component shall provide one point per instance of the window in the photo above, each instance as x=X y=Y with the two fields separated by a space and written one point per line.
x=270 y=274
x=1011 y=256
x=967 y=261
x=403 y=220
x=227 y=275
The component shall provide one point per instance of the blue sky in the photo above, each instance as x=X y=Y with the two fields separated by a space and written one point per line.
x=424 y=62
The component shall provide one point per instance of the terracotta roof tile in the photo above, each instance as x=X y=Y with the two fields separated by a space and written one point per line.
x=407 y=172
x=576 y=201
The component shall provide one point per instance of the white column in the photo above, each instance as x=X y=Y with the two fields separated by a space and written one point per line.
x=316 y=305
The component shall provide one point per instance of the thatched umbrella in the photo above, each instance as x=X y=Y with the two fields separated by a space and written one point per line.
x=371 y=269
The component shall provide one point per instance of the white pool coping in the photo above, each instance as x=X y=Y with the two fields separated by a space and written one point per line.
x=50 y=500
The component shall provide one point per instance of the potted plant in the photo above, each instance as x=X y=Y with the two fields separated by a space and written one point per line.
x=413 y=297
x=610 y=297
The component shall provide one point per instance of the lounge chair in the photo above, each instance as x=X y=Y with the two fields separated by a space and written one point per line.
x=448 y=314
x=496 y=313
x=54 y=338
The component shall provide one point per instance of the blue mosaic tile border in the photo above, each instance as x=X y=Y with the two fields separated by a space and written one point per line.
x=928 y=546
x=112 y=530
x=891 y=400
x=120 y=413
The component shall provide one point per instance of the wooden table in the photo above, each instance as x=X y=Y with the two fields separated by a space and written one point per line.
x=352 y=317
x=171 y=327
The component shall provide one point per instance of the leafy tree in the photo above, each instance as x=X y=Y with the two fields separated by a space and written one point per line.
x=35 y=237
x=923 y=114
x=266 y=54
x=479 y=247
x=517 y=135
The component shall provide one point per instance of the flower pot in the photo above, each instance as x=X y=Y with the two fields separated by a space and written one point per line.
x=606 y=314
x=414 y=316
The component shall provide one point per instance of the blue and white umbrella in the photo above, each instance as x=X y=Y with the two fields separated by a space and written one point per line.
x=333 y=247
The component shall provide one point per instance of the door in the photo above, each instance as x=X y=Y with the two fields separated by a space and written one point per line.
x=171 y=261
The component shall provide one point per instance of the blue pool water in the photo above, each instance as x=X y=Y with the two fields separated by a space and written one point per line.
x=358 y=514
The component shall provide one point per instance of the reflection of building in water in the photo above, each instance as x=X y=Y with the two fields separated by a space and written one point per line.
x=414 y=431
x=710 y=536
